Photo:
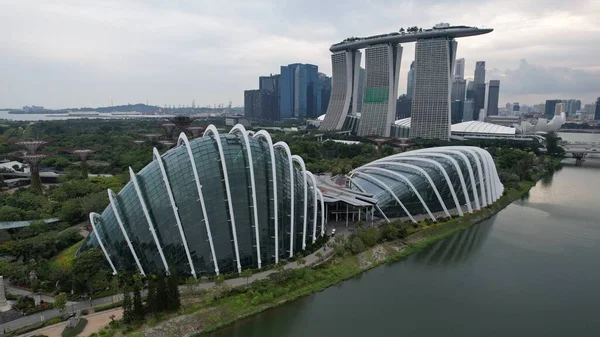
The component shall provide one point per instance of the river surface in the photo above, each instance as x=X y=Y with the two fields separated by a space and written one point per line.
x=531 y=270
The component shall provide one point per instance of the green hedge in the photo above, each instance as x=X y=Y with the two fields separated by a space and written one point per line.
x=76 y=330
x=32 y=327
x=108 y=306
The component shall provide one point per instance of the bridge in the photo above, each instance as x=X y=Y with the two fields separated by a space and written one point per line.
x=579 y=150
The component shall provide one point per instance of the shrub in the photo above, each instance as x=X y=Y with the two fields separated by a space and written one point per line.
x=84 y=312
x=104 y=307
x=357 y=245
x=76 y=330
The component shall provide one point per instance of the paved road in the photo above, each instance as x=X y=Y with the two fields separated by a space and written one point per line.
x=76 y=306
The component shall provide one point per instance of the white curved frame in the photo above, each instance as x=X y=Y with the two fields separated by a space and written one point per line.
x=165 y=179
x=113 y=205
x=138 y=192
x=427 y=177
x=453 y=161
x=315 y=211
x=322 y=212
x=265 y=135
x=482 y=189
x=363 y=190
x=286 y=148
x=299 y=160
x=93 y=216
x=498 y=185
x=491 y=187
x=240 y=128
x=406 y=180
x=486 y=195
x=444 y=173
x=469 y=169
x=386 y=187
x=211 y=129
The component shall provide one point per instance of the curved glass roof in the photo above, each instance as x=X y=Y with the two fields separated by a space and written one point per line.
x=470 y=127
x=218 y=203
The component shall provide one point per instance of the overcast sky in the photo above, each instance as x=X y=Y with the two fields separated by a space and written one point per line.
x=71 y=53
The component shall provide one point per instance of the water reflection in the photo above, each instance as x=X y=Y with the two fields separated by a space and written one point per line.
x=456 y=249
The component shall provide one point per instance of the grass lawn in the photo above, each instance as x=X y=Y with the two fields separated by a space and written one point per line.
x=64 y=260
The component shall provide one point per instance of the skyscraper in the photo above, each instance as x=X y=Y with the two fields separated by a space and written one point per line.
x=459 y=72
x=298 y=90
x=459 y=88
x=410 y=81
x=467 y=110
x=260 y=104
x=471 y=90
x=430 y=113
x=480 y=72
x=403 y=105
x=573 y=105
x=323 y=93
x=345 y=66
x=550 y=107
x=361 y=89
x=271 y=84
x=456 y=112
x=560 y=108
x=493 y=98
x=382 y=65
x=597 y=113
x=479 y=99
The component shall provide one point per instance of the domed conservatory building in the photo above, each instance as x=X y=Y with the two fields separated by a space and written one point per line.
x=220 y=203
x=223 y=203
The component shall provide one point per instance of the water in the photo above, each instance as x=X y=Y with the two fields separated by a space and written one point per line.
x=580 y=137
x=531 y=270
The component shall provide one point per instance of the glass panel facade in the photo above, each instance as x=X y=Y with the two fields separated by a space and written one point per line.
x=159 y=207
x=211 y=178
x=179 y=172
x=137 y=228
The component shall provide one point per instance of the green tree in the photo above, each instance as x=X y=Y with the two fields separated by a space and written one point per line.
x=138 y=308
x=89 y=269
x=369 y=236
x=128 y=315
x=247 y=274
x=174 y=302
x=60 y=302
x=151 y=299
x=219 y=280
x=552 y=144
x=357 y=245
x=162 y=296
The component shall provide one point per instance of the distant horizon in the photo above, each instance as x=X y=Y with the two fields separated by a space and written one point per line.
x=89 y=53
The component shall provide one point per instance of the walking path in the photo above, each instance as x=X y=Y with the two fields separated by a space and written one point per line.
x=73 y=307
x=95 y=323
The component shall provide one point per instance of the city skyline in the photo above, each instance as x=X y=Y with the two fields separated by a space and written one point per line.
x=88 y=54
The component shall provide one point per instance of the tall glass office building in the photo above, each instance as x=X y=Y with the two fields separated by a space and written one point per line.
x=220 y=203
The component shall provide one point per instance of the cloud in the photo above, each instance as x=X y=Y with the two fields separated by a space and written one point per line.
x=69 y=53
x=537 y=79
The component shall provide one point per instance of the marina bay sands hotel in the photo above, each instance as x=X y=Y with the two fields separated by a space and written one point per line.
x=435 y=54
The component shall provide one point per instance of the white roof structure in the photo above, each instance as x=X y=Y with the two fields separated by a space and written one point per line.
x=474 y=127
x=405 y=122
x=482 y=127
x=321 y=118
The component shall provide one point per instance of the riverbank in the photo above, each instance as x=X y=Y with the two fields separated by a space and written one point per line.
x=210 y=310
